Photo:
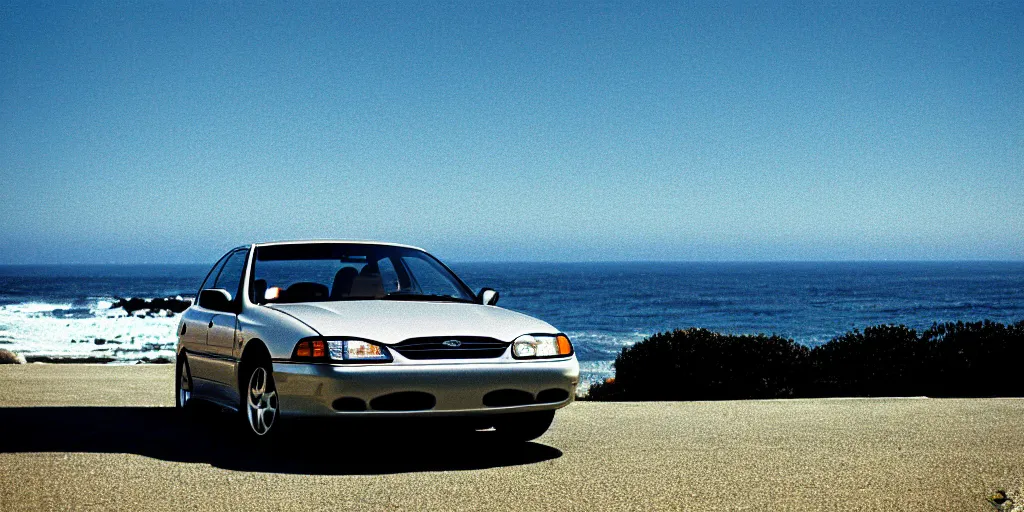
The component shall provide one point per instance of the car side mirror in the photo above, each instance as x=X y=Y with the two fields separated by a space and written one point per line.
x=216 y=299
x=488 y=297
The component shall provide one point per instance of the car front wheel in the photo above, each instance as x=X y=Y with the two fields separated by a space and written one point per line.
x=260 y=405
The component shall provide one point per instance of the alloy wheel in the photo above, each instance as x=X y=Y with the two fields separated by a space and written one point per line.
x=262 y=401
x=184 y=385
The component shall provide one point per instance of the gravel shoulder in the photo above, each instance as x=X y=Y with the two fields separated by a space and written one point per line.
x=95 y=436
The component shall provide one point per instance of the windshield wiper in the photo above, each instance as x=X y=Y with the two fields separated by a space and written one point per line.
x=423 y=296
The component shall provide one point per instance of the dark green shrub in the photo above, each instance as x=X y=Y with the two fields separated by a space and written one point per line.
x=976 y=359
x=947 y=360
x=697 y=364
x=885 y=360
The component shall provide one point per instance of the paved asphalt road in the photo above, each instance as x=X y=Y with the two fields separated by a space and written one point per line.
x=99 y=437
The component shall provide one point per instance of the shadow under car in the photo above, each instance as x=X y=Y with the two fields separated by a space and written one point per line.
x=335 y=447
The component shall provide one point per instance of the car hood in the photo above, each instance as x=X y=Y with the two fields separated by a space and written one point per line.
x=390 y=322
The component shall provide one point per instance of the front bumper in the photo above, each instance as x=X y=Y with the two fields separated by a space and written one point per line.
x=306 y=389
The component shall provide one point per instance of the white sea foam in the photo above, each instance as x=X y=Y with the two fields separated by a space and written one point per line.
x=597 y=350
x=591 y=345
x=46 y=329
x=593 y=372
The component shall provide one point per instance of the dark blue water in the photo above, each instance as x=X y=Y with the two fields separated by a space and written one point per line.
x=80 y=283
x=606 y=305
x=809 y=302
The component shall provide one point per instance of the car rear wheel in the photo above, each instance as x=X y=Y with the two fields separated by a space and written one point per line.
x=183 y=386
x=260 y=405
x=524 y=426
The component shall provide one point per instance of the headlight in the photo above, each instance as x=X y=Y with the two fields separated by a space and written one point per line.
x=340 y=350
x=357 y=350
x=537 y=346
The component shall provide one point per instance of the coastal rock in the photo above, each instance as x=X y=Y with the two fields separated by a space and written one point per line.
x=8 y=357
x=155 y=360
x=70 y=359
x=165 y=306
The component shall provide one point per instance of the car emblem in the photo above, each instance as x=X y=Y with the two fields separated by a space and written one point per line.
x=452 y=343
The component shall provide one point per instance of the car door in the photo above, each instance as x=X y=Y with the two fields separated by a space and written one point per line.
x=220 y=339
x=193 y=331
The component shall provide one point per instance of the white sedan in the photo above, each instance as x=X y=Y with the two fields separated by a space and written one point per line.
x=365 y=329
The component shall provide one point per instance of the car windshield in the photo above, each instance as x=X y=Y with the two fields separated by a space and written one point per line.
x=318 y=272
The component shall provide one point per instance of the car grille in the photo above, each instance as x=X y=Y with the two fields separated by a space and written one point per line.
x=468 y=347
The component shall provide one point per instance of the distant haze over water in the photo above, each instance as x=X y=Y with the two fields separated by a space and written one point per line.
x=602 y=306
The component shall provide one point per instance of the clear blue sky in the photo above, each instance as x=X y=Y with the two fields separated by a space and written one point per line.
x=169 y=132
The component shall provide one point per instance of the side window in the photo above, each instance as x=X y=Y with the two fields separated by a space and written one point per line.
x=231 y=274
x=212 y=275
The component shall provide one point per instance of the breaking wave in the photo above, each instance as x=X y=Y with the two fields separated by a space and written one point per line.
x=96 y=331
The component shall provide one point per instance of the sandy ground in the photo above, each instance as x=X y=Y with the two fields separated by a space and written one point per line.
x=107 y=437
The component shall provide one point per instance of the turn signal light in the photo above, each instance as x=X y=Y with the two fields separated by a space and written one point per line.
x=315 y=349
x=564 y=347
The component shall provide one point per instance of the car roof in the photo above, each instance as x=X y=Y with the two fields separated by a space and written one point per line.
x=329 y=241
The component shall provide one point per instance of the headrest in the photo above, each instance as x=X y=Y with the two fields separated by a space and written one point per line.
x=368 y=285
x=342 y=286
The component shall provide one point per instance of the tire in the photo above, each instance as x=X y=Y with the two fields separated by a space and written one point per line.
x=260 y=407
x=524 y=426
x=183 y=399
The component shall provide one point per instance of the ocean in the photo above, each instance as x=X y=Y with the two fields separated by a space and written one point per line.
x=64 y=311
